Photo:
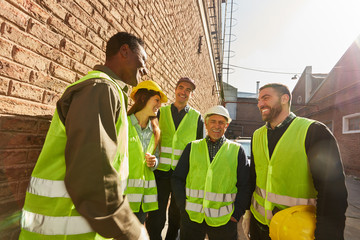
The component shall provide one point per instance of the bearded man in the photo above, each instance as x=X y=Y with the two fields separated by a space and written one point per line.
x=295 y=161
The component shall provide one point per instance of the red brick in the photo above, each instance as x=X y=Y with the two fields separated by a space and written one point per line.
x=14 y=15
x=59 y=26
x=19 y=140
x=8 y=190
x=22 y=107
x=4 y=86
x=90 y=61
x=81 y=68
x=92 y=37
x=24 y=39
x=48 y=82
x=30 y=59
x=106 y=4
x=86 y=6
x=34 y=10
x=114 y=18
x=18 y=124
x=44 y=125
x=33 y=155
x=75 y=24
x=14 y=174
x=51 y=98
x=72 y=50
x=5 y=48
x=61 y=72
x=26 y=91
x=13 y=157
x=54 y=7
x=14 y=70
x=43 y=33
x=77 y=18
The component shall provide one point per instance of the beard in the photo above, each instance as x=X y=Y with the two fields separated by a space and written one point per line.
x=274 y=112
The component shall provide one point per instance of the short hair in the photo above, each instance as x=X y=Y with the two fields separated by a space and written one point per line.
x=115 y=42
x=280 y=88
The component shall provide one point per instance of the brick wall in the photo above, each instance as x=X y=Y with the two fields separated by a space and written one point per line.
x=248 y=118
x=47 y=44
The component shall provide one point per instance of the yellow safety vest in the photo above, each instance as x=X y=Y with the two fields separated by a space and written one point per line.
x=141 y=186
x=49 y=212
x=284 y=180
x=211 y=187
x=173 y=142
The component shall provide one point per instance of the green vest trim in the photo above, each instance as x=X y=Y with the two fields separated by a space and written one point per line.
x=211 y=187
x=174 y=142
x=141 y=189
x=48 y=211
x=284 y=180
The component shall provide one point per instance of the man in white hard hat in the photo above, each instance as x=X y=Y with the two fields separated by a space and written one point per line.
x=211 y=182
x=179 y=124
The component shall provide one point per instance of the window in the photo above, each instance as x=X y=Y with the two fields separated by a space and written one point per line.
x=351 y=123
x=329 y=124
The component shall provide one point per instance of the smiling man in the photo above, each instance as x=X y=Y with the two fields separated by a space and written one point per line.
x=295 y=161
x=76 y=188
x=179 y=125
x=211 y=182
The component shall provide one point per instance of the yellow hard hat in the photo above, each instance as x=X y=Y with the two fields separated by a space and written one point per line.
x=294 y=223
x=149 y=85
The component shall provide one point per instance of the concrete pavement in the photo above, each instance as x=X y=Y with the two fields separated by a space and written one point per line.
x=352 y=227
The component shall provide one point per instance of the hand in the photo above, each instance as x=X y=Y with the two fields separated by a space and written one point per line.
x=246 y=224
x=150 y=160
x=143 y=234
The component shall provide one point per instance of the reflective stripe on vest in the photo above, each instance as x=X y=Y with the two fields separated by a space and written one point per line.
x=47 y=188
x=279 y=184
x=48 y=225
x=138 y=198
x=48 y=210
x=141 y=183
x=216 y=197
x=211 y=187
x=210 y=212
x=174 y=141
x=284 y=200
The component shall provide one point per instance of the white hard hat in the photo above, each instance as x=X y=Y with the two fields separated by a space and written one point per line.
x=219 y=110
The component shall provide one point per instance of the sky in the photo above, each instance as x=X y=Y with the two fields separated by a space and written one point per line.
x=285 y=36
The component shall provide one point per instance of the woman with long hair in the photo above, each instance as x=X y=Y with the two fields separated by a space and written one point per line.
x=144 y=137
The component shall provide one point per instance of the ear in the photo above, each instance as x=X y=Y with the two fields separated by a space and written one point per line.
x=284 y=99
x=124 y=49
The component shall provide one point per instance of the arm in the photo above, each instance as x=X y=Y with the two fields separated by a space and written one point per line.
x=91 y=181
x=200 y=134
x=243 y=195
x=178 y=179
x=328 y=176
x=252 y=180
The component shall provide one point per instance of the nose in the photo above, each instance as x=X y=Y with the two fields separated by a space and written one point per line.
x=143 y=71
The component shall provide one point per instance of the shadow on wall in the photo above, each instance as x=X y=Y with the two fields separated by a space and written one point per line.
x=21 y=140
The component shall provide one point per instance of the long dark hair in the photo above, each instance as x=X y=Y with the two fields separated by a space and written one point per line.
x=142 y=96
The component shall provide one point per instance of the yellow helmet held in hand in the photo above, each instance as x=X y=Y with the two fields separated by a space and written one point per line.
x=294 y=223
